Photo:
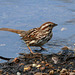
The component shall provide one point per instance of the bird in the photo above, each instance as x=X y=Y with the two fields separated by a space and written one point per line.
x=36 y=36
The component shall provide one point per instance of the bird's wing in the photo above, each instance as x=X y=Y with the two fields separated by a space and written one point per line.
x=33 y=34
x=30 y=34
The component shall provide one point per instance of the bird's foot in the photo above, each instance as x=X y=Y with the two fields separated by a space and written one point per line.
x=42 y=49
x=35 y=53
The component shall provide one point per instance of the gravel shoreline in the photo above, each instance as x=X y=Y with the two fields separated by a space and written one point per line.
x=61 y=63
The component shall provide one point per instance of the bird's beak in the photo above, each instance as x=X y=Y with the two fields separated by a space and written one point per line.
x=55 y=24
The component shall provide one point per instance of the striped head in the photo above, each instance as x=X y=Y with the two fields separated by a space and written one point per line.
x=47 y=25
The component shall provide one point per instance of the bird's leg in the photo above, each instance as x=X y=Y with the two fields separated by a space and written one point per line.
x=32 y=51
x=42 y=48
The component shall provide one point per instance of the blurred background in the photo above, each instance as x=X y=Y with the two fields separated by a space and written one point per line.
x=28 y=14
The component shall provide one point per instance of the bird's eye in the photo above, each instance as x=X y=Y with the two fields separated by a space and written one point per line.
x=50 y=25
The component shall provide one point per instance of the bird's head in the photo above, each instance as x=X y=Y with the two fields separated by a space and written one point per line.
x=46 y=25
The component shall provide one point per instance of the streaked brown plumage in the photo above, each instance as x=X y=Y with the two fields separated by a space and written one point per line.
x=36 y=36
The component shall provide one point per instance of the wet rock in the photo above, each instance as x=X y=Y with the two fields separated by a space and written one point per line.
x=65 y=48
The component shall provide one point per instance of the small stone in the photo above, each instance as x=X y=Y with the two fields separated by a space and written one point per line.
x=51 y=72
x=71 y=63
x=72 y=73
x=44 y=74
x=64 y=74
x=55 y=59
x=58 y=70
x=1 y=71
x=69 y=70
x=34 y=65
x=37 y=62
x=63 y=70
x=27 y=68
x=21 y=64
x=38 y=73
x=47 y=64
x=59 y=67
x=5 y=73
x=43 y=62
x=73 y=70
x=50 y=67
x=38 y=66
x=42 y=68
x=16 y=60
x=18 y=73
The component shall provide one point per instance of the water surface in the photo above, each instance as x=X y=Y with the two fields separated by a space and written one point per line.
x=28 y=14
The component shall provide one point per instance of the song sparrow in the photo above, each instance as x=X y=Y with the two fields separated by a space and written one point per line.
x=36 y=36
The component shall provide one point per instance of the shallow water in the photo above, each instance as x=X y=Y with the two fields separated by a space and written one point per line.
x=27 y=14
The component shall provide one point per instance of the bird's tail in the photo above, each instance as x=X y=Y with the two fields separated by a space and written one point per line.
x=11 y=30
